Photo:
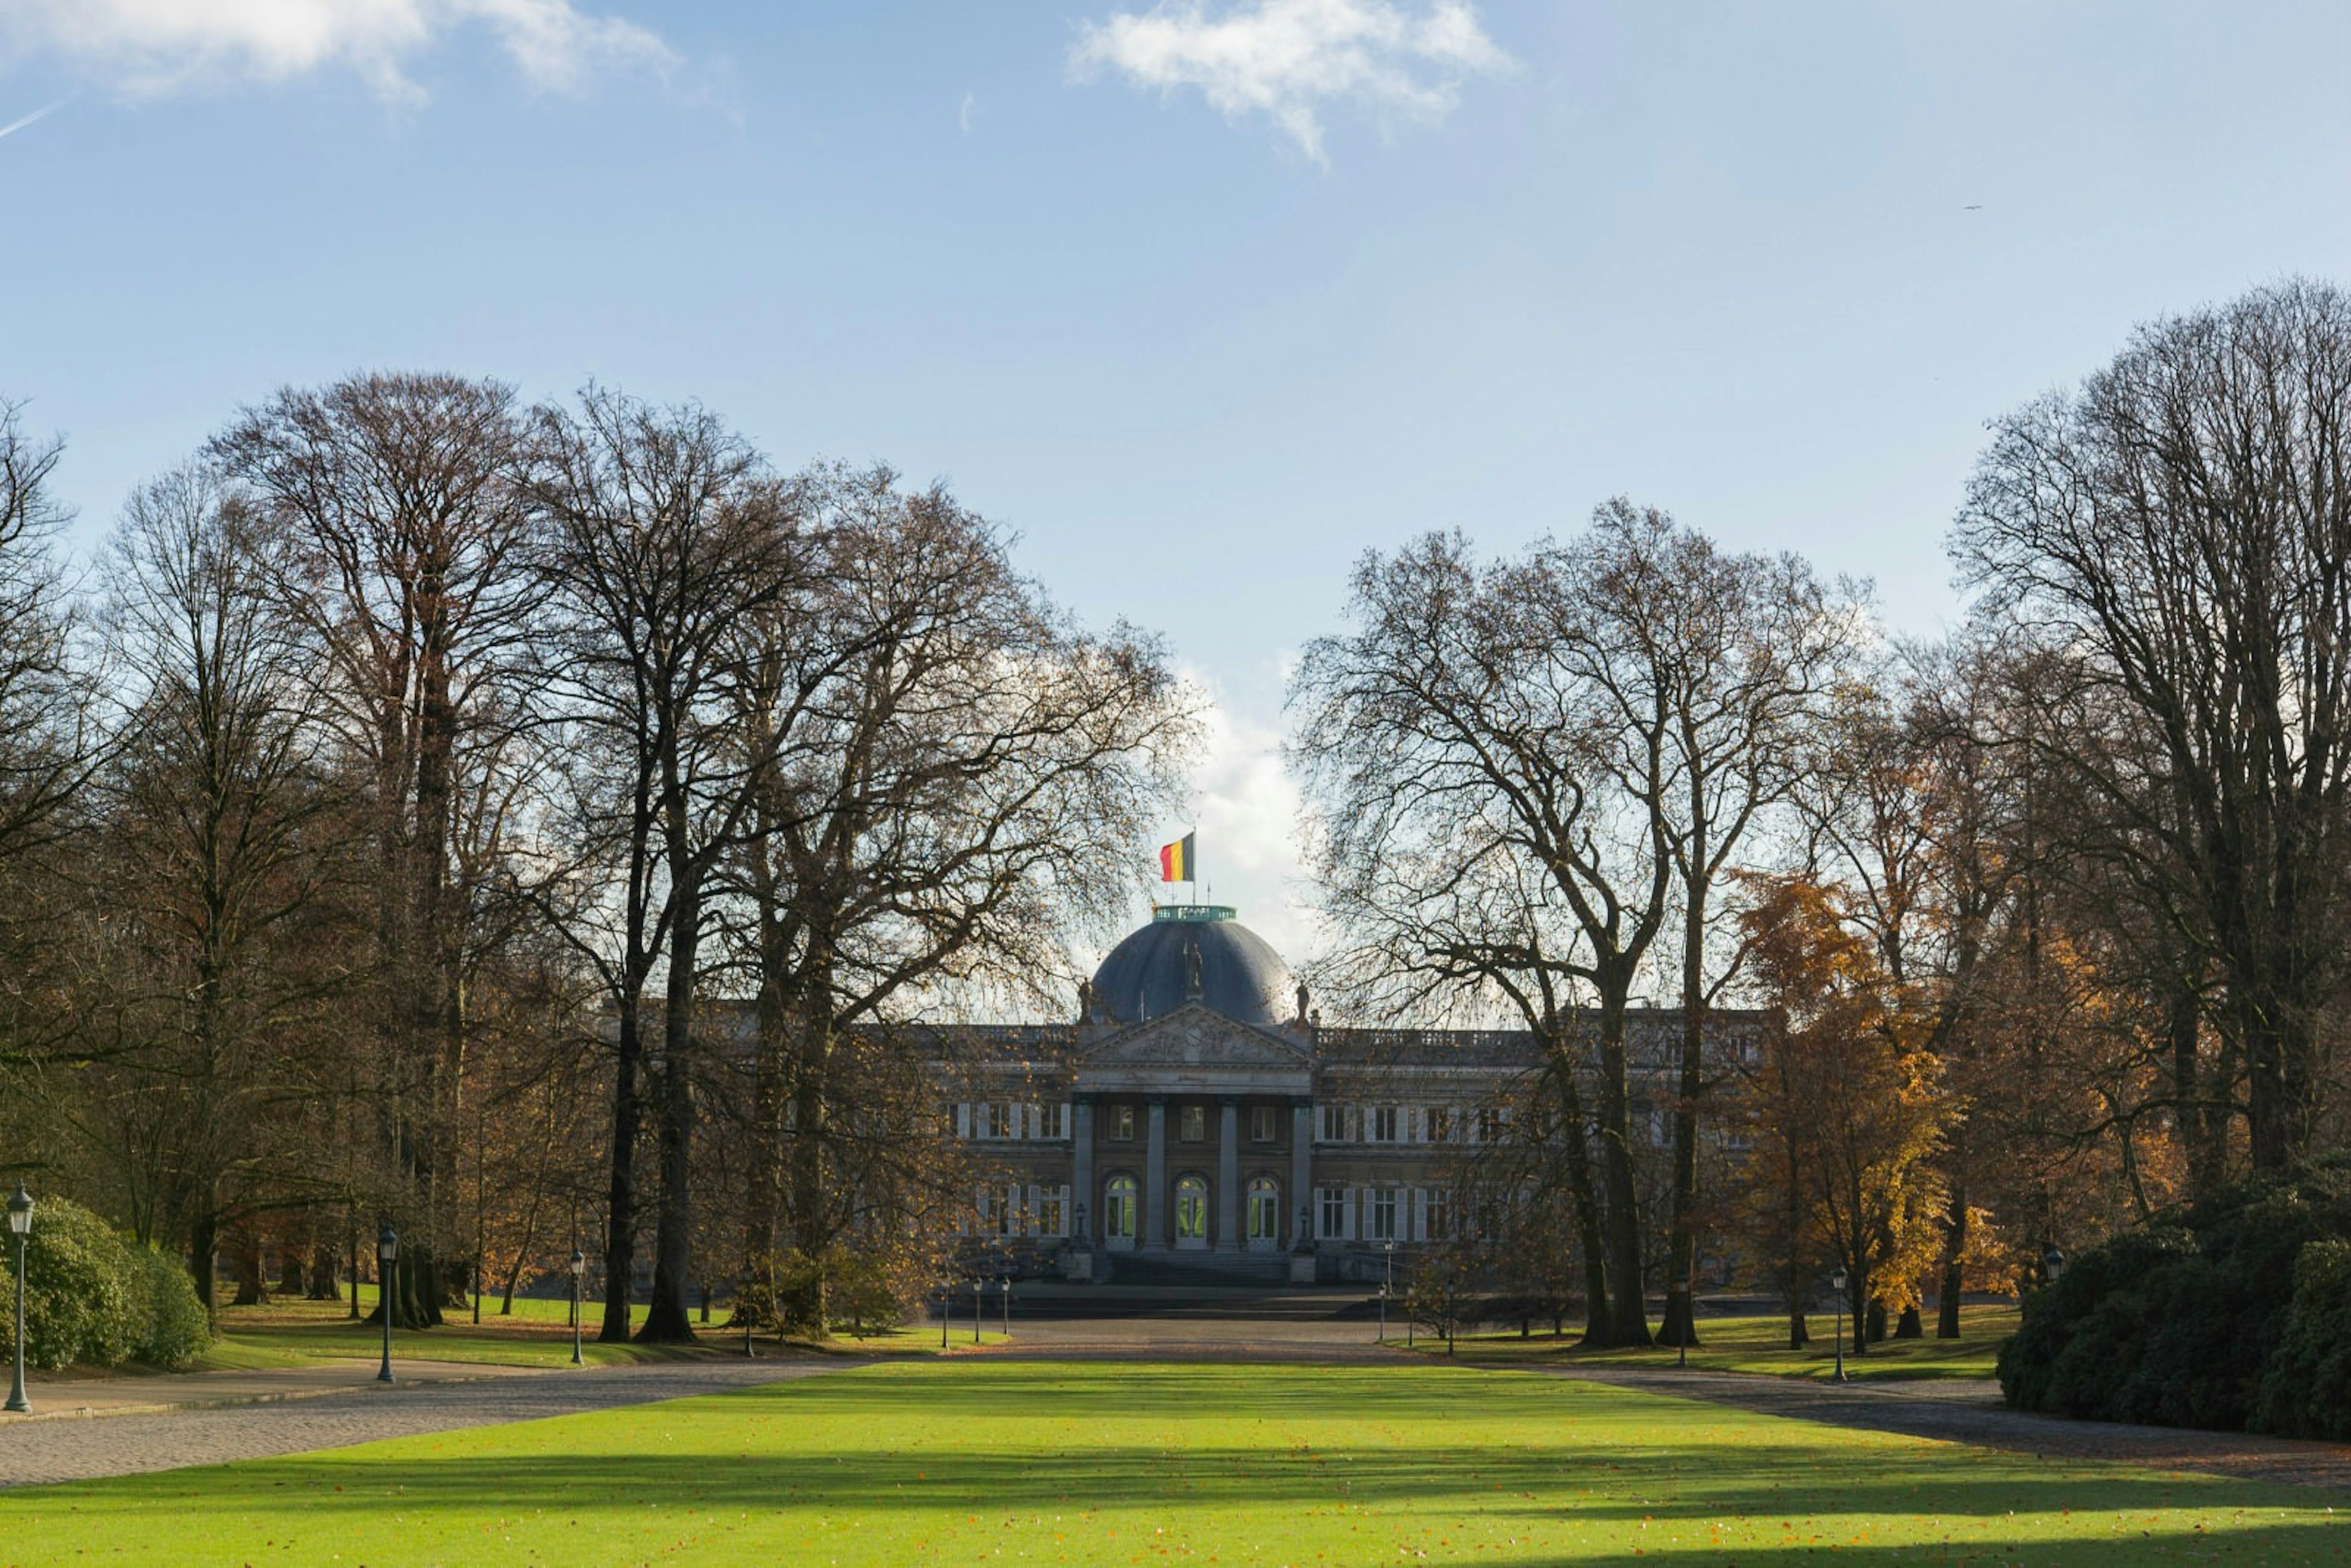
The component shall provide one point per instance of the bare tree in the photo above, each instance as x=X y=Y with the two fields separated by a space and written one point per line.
x=956 y=778
x=1741 y=652
x=395 y=495
x=663 y=539
x=2182 y=526
x=1489 y=784
x=213 y=842
x=46 y=750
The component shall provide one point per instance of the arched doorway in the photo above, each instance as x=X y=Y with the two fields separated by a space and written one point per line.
x=1263 y=1227
x=1192 y=1213
x=1118 y=1213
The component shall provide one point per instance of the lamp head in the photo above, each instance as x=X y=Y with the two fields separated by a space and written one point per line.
x=20 y=1211
x=387 y=1244
x=579 y=1262
x=2054 y=1261
x=1836 y=1281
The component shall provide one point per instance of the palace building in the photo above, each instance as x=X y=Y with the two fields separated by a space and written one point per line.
x=1198 y=1120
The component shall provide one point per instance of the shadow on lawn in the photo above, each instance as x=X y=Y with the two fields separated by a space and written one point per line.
x=1024 y=1439
x=1831 y=1498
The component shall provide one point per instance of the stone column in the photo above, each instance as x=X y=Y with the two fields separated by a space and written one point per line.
x=1081 y=1171
x=1152 y=1234
x=1301 y=1168
x=1229 y=1175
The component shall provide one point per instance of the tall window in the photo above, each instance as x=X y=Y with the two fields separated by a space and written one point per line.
x=998 y=1123
x=1121 y=1123
x=1192 y=1124
x=1118 y=1211
x=1264 y=1215
x=1335 y=1213
x=1191 y=1212
x=1384 y=1124
x=1053 y=1121
x=1379 y=1213
x=1437 y=1218
x=1262 y=1124
x=1437 y=1124
x=1489 y=1125
x=1053 y=1212
x=1334 y=1121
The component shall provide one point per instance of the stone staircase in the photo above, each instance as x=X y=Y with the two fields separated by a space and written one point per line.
x=1198 y=1268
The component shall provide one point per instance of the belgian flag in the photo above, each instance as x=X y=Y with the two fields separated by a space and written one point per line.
x=1177 y=861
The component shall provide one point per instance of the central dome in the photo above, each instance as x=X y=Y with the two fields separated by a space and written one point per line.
x=1154 y=971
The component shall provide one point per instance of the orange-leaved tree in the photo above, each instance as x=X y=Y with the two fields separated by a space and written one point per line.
x=1843 y=1113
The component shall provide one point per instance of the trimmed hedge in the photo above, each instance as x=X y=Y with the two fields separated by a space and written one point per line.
x=93 y=1299
x=2190 y=1324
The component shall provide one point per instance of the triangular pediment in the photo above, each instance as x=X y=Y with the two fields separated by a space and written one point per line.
x=1194 y=1036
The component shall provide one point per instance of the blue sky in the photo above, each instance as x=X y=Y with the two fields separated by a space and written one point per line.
x=1203 y=301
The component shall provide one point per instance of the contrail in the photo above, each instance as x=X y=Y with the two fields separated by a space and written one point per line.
x=43 y=114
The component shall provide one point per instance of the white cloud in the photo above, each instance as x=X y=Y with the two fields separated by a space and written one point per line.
x=968 y=113
x=152 y=48
x=1290 y=59
x=1246 y=813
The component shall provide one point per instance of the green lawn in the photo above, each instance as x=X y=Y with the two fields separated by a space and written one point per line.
x=1113 y=1463
x=1760 y=1345
x=301 y=1333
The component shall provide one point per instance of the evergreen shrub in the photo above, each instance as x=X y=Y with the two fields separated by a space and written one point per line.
x=92 y=1299
x=2184 y=1324
x=178 y=1329
x=82 y=1300
x=2305 y=1388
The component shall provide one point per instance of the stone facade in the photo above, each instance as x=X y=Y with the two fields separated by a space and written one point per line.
x=1196 y=1143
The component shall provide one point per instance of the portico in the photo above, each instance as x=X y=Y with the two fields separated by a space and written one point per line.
x=1222 y=1107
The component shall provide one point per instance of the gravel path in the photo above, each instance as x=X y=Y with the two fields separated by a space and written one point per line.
x=1970 y=1412
x=33 y=1452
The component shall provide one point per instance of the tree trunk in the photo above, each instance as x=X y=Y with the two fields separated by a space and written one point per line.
x=1576 y=1150
x=1955 y=1245
x=807 y=1312
x=326 y=1271
x=620 y=1193
x=1629 y=1309
x=668 y=1319
x=252 y=1288
x=204 y=1260
x=1910 y=1325
x=1680 y=1326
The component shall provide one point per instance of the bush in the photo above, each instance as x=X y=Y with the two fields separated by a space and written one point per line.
x=178 y=1329
x=2305 y=1388
x=82 y=1302
x=2178 y=1325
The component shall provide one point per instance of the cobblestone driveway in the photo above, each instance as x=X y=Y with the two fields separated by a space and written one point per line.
x=32 y=1452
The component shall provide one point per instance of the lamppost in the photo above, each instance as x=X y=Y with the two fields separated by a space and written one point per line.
x=579 y=1273
x=1387 y=1286
x=2052 y=1263
x=20 y=1225
x=1689 y=1306
x=387 y=1252
x=1837 y=1283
